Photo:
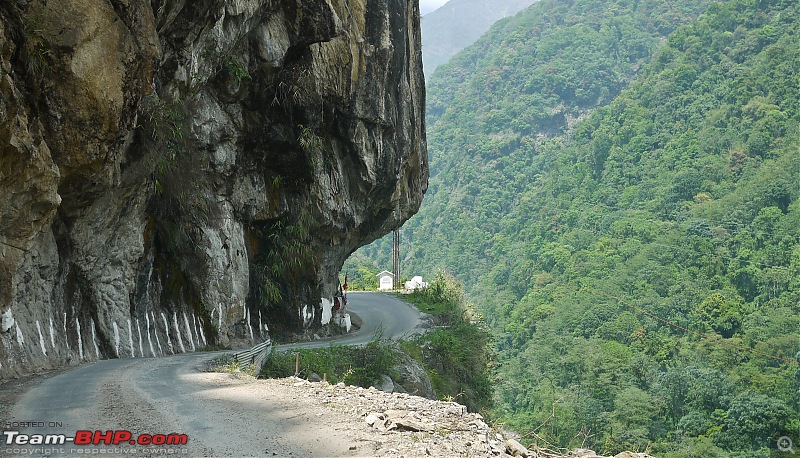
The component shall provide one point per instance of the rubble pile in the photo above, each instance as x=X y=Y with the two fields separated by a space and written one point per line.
x=400 y=424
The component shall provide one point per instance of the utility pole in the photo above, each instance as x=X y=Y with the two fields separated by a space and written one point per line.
x=396 y=257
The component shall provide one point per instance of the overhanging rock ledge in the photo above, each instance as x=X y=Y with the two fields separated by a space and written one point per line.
x=176 y=175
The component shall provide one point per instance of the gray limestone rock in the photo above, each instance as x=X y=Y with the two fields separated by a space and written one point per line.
x=412 y=377
x=514 y=448
x=386 y=384
x=183 y=176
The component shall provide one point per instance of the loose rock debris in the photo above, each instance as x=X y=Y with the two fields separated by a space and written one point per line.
x=399 y=424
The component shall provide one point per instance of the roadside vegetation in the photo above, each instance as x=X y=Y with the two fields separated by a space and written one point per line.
x=226 y=364
x=456 y=354
x=359 y=366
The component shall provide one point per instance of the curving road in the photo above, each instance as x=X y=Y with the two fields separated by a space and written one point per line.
x=382 y=315
x=169 y=395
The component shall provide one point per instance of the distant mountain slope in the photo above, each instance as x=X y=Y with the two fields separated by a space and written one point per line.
x=624 y=209
x=529 y=76
x=457 y=24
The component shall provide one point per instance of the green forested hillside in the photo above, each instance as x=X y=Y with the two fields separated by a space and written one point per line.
x=616 y=183
x=457 y=24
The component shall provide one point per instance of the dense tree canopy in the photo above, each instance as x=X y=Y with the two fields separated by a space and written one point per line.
x=616 y=183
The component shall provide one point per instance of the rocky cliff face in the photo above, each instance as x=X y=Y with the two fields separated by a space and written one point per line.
x=178 y=174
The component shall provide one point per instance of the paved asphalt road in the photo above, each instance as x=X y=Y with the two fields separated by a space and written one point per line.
x=164 y=395
x=382 y=315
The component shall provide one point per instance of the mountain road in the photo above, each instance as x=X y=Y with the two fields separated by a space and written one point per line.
x=171 y=398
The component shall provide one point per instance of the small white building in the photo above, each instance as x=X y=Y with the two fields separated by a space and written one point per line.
x=416 y=283
x=385 y=280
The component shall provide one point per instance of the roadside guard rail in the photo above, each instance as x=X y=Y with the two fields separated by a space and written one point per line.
x=256 y=355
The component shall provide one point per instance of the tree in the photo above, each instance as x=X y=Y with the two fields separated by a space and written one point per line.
x=751 y=421
x=722 y=315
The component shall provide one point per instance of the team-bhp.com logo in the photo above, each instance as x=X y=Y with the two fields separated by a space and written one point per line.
x=83 y=437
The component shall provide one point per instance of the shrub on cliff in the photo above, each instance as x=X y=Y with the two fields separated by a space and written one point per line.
x=458 y=352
